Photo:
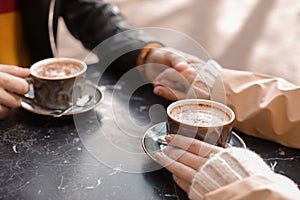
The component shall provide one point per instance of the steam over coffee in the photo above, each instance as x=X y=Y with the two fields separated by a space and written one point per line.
x=58 y=70
x=199 y=115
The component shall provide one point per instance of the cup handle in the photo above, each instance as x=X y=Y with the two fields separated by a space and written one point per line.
x=30 y=94
x=28 y=79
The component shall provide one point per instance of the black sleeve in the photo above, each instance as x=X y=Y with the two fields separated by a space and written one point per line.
x=93 y=21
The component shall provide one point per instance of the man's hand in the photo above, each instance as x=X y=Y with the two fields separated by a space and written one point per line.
x=175 y=74
x=12 y=85
x=162 y=58
x=174 y=85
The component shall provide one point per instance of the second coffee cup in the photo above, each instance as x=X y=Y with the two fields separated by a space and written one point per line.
x=205 y=120
x=56 y=81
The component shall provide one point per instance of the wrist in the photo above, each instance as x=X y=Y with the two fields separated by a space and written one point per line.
x=142 y=57
x=210 y=72
x=228 y=166
x=207 y=75
x=144 y=52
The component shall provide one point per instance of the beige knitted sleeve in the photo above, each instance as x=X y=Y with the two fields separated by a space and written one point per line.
x=205 y=80
x=226 y=167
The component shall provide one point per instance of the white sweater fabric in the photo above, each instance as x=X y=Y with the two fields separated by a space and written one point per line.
x=226 y=167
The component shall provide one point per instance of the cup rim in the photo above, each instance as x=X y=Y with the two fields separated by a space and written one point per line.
x=53 y=60
x=219 y=105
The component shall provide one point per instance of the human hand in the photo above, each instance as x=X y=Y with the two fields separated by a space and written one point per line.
x=173 y=74
x=159 y=59
x=11 y=86
x=174 y=85
x=184 y=157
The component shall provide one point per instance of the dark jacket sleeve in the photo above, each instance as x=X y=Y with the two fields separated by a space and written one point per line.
x=101 y=28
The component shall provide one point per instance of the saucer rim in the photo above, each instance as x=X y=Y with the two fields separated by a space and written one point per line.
x=243 y=144
x=29 y=108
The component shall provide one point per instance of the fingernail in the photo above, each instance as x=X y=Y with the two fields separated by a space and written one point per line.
x=168 y=138
x=181 y=64
x=156 y=83
x=23 y=69
x=158 y=156
x=157 y=91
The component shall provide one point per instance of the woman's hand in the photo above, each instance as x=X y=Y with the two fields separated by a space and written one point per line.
x=184 y=157
x=12 y=85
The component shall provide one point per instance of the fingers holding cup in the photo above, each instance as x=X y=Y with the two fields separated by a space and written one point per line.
x=187 y=158
x=175 y=167
x=4 y=111
x=14 y=70
x=13 y=83
x=183 y=184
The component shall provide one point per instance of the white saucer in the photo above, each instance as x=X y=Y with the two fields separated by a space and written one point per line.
x=90 y=89
x=151 y=145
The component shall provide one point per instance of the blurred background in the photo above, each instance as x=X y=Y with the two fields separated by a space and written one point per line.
x=255 y=35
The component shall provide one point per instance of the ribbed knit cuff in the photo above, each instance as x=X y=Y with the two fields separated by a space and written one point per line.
x=205 y=80
x=209 y=72
x=226 y=167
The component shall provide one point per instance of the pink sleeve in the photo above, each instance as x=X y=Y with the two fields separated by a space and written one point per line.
x=265 y=107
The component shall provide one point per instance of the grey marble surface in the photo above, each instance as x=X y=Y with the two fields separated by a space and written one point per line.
x=281 y=159
x=46 y=158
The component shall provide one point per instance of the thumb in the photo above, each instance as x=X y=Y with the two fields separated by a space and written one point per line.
x=180 y=65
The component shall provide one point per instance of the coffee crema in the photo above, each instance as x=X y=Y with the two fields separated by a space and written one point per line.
x=199 y=115
x=58 y=70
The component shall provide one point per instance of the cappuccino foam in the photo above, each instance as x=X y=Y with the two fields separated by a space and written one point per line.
x=200 y=115
x=58 y=70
